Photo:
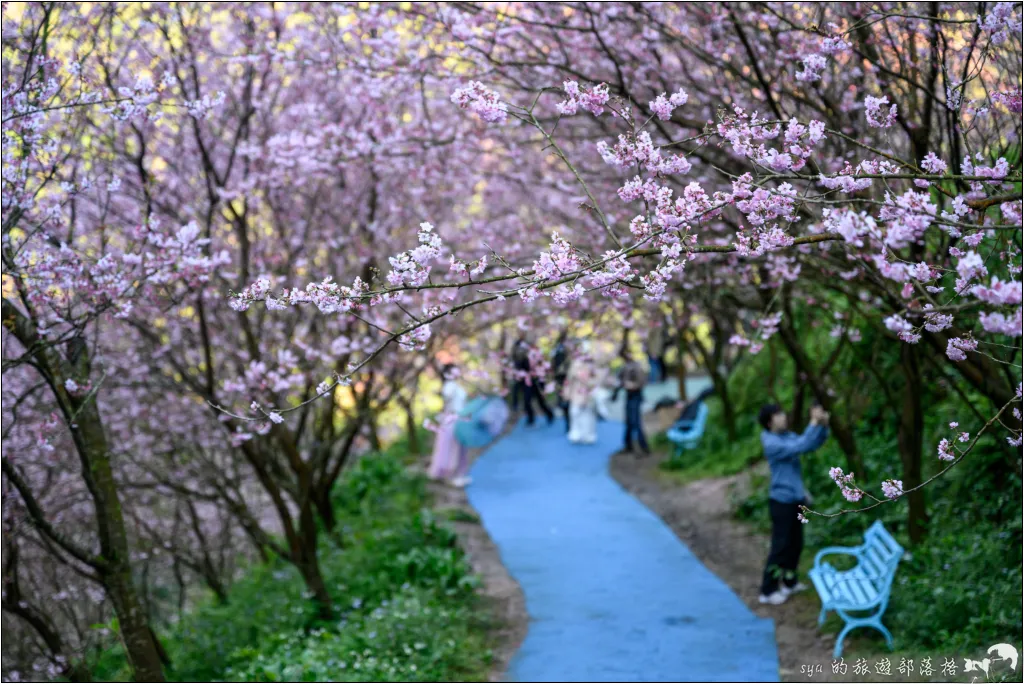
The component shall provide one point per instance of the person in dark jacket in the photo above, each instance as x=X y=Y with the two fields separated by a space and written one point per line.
x=528 y=386
x=786 y=495
x=632 y=380
x=560 y=371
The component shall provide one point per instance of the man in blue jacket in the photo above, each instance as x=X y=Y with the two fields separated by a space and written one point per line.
x=783 y=449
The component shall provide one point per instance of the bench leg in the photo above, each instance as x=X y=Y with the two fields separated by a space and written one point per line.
x=874 y=621
x=821 y=616
x=885 y=632
x=837 y=652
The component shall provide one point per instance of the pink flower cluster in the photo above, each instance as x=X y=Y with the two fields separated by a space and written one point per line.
x=874 y=109
x=831 y=45
x=999 y=291
x=814 y=64
x=969 y=268
x=70 y=284
x=641 y=150
x=905 y=331
x=892 y=489
x=203 y=108
x=758 y=240
x=482 y=101
x=996 y=172
x=932 y=164
x=1000 y=22
x=327 y=296
x=742 y=341
x=849 y=178
x=909 y=216
x=747 y=134
x=135 y=101
x=845 y=483
x=592 y=99
x=662 y=106
x=957 y=348
x=763 y=206
x=1010 y=99
x=460 y=268
x=610 y=277
x=768 y=325
x=415 y=340
x=937 y=322
x=852 y=225
x=946 y=450
x=1013 y=212
x=413 y=267
x=561 y=259
x=656 y=281
x=1003 y=324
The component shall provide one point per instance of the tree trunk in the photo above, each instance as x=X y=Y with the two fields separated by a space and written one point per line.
x=371 y=426
x=911 y=442
x=681 y=375
x=773 y=370
x=307 y=561
x=410 y=428
x=796 y=411
x=115 y=571
x=113 y=566
x=721 y=385
x=683 y=322
x=133 y=624
x=309 y=567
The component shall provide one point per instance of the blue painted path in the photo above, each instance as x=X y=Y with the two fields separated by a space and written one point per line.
x=612 y=593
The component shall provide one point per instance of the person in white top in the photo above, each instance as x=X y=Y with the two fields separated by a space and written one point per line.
x=580 y=385
x=448 y=461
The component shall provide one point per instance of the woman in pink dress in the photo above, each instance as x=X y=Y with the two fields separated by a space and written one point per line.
x=448 y=462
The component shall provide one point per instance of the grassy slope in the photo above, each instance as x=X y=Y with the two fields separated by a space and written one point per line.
x=407 y=610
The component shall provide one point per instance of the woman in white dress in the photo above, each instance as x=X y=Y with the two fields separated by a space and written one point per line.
x=580 y=385
x=448 y=461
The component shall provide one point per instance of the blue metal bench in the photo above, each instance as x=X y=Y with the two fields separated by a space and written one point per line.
x=864 y=588
x=687 y=434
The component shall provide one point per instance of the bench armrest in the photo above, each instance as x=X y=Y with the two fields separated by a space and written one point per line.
x=841 y=550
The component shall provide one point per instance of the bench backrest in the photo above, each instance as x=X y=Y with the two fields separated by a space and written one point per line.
x=880 y=554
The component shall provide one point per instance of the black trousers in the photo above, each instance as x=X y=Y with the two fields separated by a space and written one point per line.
x=787 y=544
x=531 y=393
x=634 y=421
x=562 y=403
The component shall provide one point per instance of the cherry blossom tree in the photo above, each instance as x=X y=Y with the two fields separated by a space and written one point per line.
x=234 y=235
x=901 y=182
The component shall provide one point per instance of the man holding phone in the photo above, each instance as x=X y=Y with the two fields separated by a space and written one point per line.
x=783 y=450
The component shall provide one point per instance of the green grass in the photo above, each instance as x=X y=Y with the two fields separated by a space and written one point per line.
x=406 y=604
x=459 y=515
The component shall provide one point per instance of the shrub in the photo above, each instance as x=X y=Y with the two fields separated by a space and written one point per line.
x=403 y=589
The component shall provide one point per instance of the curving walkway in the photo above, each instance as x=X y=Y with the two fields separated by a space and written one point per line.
x=612 y=593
